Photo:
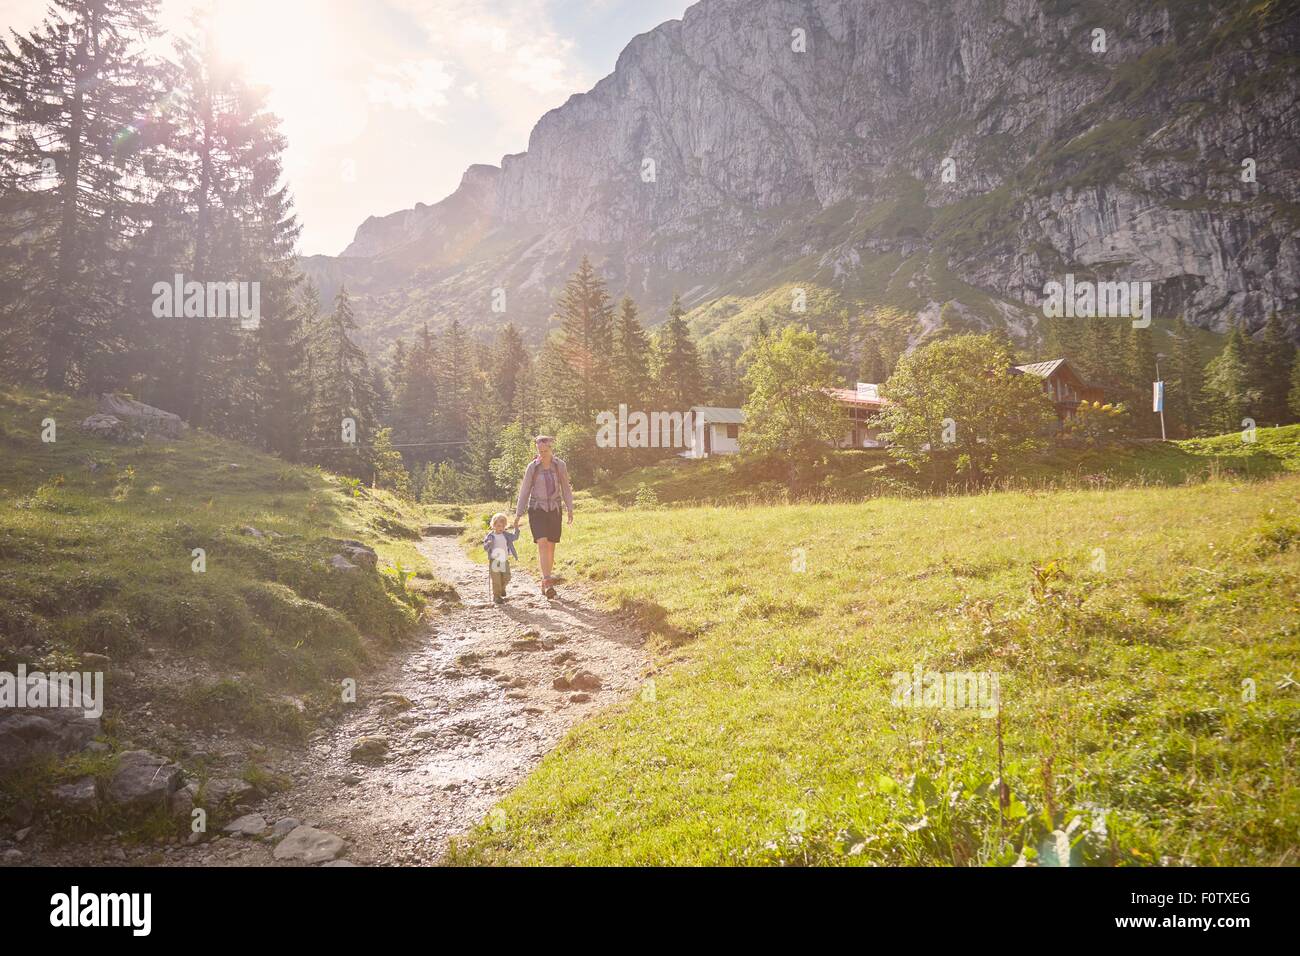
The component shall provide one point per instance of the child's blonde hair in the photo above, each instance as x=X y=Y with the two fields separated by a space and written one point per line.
x=500 y=515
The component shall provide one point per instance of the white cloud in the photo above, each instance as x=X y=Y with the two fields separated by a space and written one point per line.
x=519 y=65
x=540 y=68
x=419 y=85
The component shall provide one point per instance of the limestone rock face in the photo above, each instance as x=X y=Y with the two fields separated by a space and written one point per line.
x=825 y=166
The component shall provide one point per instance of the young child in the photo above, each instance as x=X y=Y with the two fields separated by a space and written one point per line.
x=500 y=547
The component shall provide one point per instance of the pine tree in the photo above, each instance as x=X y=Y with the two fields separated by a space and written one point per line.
x=481 y=447
x=284 y=383
x=1185 y=391
x=509 y=364
x=721 y=369
x=1228 y=395
x=1102 y=357
x=524 y=410
x=631 y=362
x=268 y=233
x=239 y=226
x=554 y=385
x=1139 y=373
x=387 y=466
x=1293 y=397
x=76 y=99
x=454 y=372
x=1055 y=342
x=396 y=368
x=1272 y=359
x=584 y=345
x=678 y=379
x=344 y=391
x=415 y=399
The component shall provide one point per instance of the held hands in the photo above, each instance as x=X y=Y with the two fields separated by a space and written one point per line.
x=570 y=517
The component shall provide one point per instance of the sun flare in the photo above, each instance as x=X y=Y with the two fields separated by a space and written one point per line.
x=282 y=45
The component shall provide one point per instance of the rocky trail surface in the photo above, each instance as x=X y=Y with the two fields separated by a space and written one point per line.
x=437 y=737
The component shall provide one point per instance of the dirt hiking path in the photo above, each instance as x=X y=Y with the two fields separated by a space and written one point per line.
x=457 y=723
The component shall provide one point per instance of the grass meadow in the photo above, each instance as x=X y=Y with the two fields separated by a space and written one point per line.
x=1145 y=639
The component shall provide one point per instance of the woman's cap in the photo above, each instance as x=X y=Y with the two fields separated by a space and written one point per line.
x=546 y=438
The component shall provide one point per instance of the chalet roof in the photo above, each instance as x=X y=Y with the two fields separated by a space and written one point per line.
x=858 y=397
x=719 y=416
x=1042 y=369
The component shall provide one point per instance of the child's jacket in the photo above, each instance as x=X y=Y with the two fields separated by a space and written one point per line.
x=511 y=538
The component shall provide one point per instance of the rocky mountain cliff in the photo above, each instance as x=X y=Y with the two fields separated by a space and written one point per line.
x=897 y=152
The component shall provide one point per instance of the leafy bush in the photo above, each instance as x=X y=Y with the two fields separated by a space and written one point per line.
x=955 y=407
x=1096 y=424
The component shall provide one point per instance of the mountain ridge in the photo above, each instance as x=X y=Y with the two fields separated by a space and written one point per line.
x=824 y=168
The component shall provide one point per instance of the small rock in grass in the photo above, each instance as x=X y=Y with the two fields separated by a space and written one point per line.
x=284 y=827
x=370 y=749
x=309 y=845
x=78 y=796
x=250 y=825
x=577 y=680
x=227 y=792
x=362 y=556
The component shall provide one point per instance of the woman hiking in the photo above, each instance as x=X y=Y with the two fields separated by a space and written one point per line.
x=543 y=492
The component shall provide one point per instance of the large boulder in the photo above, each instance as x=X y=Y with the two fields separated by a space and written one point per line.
x=141 y=418
x=142 y=781
x=56 y=730
x=107 y=427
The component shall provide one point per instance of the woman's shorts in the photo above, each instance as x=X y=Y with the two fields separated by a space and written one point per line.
x=545 y=524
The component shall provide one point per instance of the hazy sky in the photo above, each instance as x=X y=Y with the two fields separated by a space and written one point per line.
x=385 y=102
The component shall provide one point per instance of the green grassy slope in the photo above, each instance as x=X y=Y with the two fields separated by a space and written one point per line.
x=96 y=557
x=854 y=475
x=1127 y=626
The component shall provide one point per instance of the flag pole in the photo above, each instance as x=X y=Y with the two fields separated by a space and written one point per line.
x=1160 y=399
